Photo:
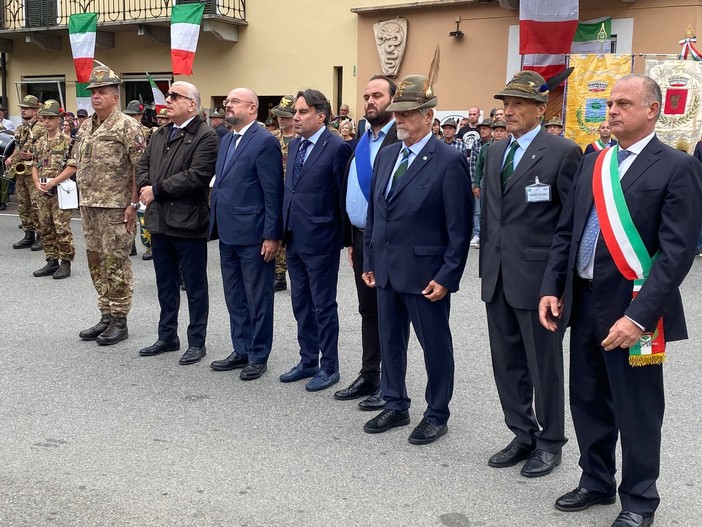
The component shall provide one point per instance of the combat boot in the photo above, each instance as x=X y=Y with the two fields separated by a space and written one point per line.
x=64 y=270
x=133 y=252
x=25 y=242
x=52 y=265
x=280 y=283
x=97 y=329
x=37 y=245
x=116 y=332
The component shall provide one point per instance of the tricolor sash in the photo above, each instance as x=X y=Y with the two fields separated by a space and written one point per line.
x=626 y=247
x=598 y=145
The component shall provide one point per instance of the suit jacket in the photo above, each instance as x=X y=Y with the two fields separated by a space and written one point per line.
x=179 y=170
x=663 y=191
x=389 y=139
x=515 y=235
x=423 y=231
x=589 y=148
x=312 y=205
x=247 y=194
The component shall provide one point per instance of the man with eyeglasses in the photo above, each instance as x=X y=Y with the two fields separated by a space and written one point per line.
x=173 y=181
x=247 y=198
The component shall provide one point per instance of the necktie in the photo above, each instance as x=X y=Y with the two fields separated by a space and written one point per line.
x=231 y=148
x=401 y=168
x=592 y=228
x=300 y=159
x=173 y=133
x=508 y=168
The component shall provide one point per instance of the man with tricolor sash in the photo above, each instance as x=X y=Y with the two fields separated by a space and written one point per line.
x=605 y=140
x=624 y=243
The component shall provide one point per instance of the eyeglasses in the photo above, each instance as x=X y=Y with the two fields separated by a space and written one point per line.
x=175 y=96
x=235 y=101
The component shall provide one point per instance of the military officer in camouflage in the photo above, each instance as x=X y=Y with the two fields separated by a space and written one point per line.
x=51 y=167
x=108 y=147
x=285 y=133
x=217 y=122
x=162 y=117
x=27 y=134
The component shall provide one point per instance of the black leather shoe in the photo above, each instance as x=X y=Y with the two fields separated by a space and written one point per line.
x=427 y=432
x=3 y=206
x=160 y=346
x=253 y=370
x=280 y=284
x=632 y=519
x=26 y=242
x=50 y=268
x=116 y=332
x=540 y=463
x=64 y=270
x=386 y=420
x=232 y=362
x=93 y=332
x=373 y=403
x=580 y=499
x=148 y=255
x=509 y=456
x=192 y=355
x=358 y=388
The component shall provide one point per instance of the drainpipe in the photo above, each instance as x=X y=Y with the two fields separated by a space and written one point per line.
x=3 y=82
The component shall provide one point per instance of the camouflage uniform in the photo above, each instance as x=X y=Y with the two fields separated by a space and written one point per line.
x=280 y=263
x=54 y=223
x=106 y=155
x=27 y=135
x=144 y=233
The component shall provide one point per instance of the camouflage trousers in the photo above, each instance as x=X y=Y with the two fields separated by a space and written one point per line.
x=280 y=264
x=107 y=244
x=4 y=191
x=24 y=188
x=55 y=227
x=143 y=231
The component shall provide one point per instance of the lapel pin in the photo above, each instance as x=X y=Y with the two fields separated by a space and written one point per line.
x=533 y=156
x=424 y=158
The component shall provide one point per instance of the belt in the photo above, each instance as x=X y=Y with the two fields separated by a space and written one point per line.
x=358 y=230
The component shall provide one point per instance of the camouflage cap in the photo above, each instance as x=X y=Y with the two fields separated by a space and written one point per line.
x=526 y=85
x=555 y=121
x=486 y=122
x=413 y=93
x=450 y=122
x=218 y=113
x=30 y=101
x=51 y=108
x=102 y=76
x=499 y=124
x=285 y=108
x=162 y=114
x=134 y=108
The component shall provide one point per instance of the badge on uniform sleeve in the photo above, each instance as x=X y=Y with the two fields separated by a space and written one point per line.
x=538 y=192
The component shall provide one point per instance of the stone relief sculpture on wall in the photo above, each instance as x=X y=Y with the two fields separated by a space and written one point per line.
x=391 y=39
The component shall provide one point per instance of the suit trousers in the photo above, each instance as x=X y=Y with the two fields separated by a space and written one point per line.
x=430 y=321
x=368 y=309
x=172 y=253
x=608 y=396
x=248 y=291
x=313 y=281
x=527 y=362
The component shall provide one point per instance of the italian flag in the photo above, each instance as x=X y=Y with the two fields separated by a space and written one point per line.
x=185 y=30
x=159 y=99
x=593 y=36
x=83 y=98
x=546 y=30
x=81 y=30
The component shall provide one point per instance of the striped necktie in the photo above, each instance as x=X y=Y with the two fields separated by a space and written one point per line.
x=508 y=168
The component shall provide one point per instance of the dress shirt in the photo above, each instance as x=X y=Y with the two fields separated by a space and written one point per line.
x=9 y=125
x=414 y=152
x=242 y=132
x=524 y=142
x=313 y=139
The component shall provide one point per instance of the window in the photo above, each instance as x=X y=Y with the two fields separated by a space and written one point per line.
x=43 y=88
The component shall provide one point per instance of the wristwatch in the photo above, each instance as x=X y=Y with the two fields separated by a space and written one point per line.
x=135 y=205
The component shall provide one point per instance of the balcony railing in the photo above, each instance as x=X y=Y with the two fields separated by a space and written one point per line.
x=20 y=15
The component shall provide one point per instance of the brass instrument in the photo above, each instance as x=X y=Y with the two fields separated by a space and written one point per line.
x=22 y=168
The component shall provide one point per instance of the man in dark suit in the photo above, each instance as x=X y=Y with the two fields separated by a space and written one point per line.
x=355 y=194
x=604 y=141
x=247 y=198
x=416 y=245
x=584 y=286
x=173 y=181
x=313 y=238
x=526 y=181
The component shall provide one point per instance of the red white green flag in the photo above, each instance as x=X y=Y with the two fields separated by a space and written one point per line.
x=185 y=30
x=82 y=28
x=83 y=98
x=159 y=99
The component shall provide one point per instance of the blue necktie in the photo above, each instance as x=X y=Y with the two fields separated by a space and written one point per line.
x=230 y=149
x=592 y=228
x=300 y=159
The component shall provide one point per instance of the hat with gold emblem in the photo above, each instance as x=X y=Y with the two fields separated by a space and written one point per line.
x=413 y=93
x=134 y=108
x=162 y=114
x=285 y=108
x=499 y=124
x=30 y=101
x=218 y=113
x=486 y=122
x=555 y=121
x=51 y=108
x=526 y=85
x=102 y=76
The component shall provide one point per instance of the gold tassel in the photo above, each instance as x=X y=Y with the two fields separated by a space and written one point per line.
x=655 y=359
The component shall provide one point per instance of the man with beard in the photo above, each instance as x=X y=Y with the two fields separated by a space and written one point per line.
x=355 y=193
x=247 y=199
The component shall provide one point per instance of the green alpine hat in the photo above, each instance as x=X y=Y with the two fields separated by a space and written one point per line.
x=527 y=85
x=450 y=122
x=554 y=121
x=285 y=108
x=413 y=93
x=499 y=124
x=51 y=108
x=486 y=122
x=134 y=108
x=218 y=113
x=30 y=101
x=102 y=76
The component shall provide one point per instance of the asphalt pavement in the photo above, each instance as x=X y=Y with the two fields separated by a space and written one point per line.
x=98 y=436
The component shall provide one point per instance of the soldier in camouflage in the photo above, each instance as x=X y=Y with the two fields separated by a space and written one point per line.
x=27 y=134
x=284 y=112
x=108 y=147
x=51 y=167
